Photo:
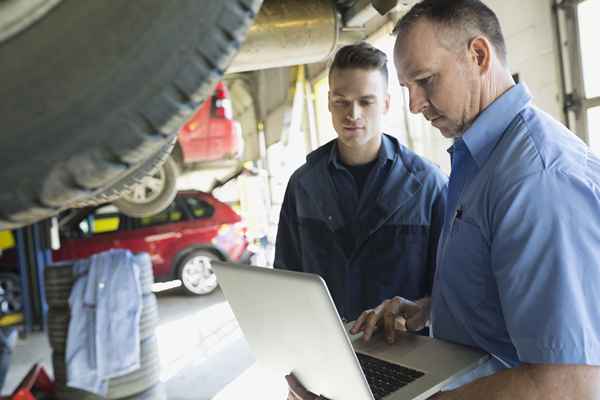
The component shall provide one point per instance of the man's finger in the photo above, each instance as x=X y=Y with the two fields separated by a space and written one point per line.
x=358 y=324
x=291 y=396
x=371 y=325
x=392 y=310
x=388 y=326
x=400 y=324
x=408 y=309
x=298 y=389
x=416 y=323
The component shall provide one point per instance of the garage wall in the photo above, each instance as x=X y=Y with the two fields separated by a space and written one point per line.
x=532 y=49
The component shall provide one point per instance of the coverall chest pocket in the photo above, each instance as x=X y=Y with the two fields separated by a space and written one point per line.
x=317 y=242
x=396 y=259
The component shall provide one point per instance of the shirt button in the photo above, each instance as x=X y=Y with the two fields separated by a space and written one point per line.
x=330 y=217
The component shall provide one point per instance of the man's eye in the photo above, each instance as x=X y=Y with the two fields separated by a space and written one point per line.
x=340 y=103
x=366 y=103
x=425 y=81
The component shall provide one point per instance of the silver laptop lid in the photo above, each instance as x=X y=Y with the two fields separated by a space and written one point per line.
x=291 y=324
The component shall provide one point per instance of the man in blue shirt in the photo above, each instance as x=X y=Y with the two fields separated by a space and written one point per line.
x=364 y=212
x=518 y=271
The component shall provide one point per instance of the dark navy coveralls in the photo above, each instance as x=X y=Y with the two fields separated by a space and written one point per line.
x=367 y=246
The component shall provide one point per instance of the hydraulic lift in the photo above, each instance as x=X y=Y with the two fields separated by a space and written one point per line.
x=22 y=295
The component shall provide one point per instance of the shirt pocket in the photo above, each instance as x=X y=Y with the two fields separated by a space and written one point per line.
x=465 y=265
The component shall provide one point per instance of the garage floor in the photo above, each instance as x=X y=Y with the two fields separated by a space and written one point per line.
x=201 y=347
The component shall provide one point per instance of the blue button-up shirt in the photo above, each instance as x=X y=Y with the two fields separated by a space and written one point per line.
x=518 y=272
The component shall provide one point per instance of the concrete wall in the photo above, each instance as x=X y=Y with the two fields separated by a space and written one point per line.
x=532 y=53
x=532 y=49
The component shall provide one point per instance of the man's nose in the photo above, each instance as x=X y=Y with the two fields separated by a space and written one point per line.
x=417 y=100
x=355 y=111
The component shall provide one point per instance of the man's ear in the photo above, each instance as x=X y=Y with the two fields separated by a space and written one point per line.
x=386 y=103
x=481 y=52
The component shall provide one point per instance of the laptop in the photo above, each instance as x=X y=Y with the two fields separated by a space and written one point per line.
x=292 y=325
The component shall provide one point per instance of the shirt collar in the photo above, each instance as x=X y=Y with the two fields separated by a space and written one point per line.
x=481 y=138
x=386 y=152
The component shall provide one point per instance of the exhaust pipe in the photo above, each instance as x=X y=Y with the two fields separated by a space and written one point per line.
x=290 y=32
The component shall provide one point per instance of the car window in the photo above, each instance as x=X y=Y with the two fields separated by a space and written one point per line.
x=200 y=209
x=173 y=213
x=105 y=219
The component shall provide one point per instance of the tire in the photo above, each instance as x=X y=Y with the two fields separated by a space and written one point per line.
x=59 y=368
x=153 y=194
x=58 y=329
x=136 y=176
x=156 y=392
x=59 y=318
x=66 y=393
x=192 y=271
x=11 y=300
x=63 y=272
x=59 y=281
x=116 y=82
x=146 y=377
x=139 y=381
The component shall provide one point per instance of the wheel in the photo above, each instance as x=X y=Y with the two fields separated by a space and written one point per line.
x=10 y=294
x=153 y=194
x=138 y=381
x=91 y=90
x=142 y=379
x=157 y=392
x=196 y=274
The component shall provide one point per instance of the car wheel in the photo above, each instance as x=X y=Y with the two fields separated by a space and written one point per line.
x=91 y=90
x=142 y=379
x=10 y=294
x=196 y=273
x=153 y=194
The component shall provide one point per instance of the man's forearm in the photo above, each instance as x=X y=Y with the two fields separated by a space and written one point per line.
x=533 y=382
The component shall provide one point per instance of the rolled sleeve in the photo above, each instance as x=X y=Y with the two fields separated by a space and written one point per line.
x=546 y=260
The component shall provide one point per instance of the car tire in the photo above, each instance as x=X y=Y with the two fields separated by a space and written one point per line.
x=152 y=194
x=11 y=300
x=59 y=318
x=59 y=281
x=142 y=379
x=157 y=392
x=195 y=272
x=94 y=89
x=127 y=386
x=67 y=393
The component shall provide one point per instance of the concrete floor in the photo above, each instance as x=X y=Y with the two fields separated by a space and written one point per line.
x=201 y=346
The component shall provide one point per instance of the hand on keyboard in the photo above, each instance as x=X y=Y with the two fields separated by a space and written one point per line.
x=397 y=314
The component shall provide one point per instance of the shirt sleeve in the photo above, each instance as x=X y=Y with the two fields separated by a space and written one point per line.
x=287 y=244
x=545 y=253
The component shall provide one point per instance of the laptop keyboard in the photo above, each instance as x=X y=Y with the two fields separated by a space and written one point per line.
x=384 y=377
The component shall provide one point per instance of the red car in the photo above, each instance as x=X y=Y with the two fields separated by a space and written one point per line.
x=182 y=240
x=211 y=134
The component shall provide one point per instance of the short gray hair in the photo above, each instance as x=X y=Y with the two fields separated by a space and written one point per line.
x=472 y=17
